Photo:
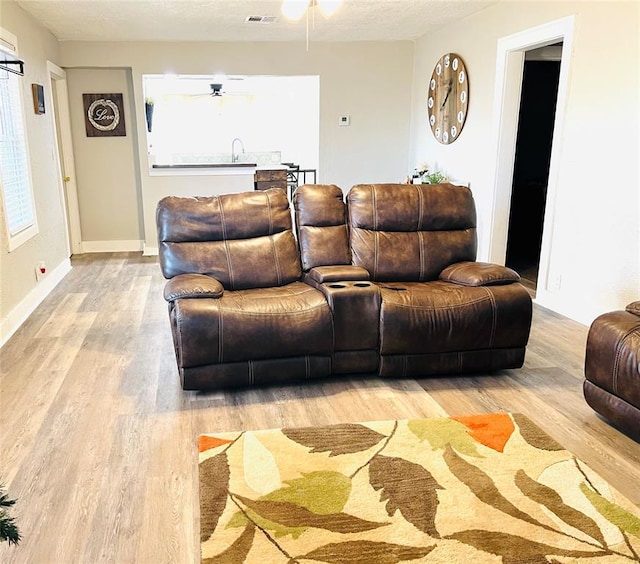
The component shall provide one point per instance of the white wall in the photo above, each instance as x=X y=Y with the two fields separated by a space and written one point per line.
x=20 y=293
x=595 y=241
x=371 y=82
x=106 y=170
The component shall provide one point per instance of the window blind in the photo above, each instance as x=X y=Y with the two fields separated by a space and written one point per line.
x=14 y=167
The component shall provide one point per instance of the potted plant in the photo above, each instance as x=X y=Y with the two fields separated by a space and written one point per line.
x=422 y=175
x=148 y=110
x=8 y=529
x=433 y=178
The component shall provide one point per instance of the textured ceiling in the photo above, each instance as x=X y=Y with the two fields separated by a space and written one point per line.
x=224 y=20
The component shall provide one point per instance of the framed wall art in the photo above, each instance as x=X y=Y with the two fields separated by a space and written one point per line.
x=104 y=115
x=38 y=98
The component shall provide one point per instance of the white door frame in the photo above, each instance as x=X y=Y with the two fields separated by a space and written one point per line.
x=508 y=85
x=67 y=185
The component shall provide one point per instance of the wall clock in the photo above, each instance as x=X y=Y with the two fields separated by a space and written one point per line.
x=448 y=98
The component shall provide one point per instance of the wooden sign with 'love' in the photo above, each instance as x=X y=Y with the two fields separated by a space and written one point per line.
x=104 y=115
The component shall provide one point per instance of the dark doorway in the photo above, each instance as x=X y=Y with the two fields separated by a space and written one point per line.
x=531 y=166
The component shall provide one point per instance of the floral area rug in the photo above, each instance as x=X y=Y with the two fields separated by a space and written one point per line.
x=485 y=488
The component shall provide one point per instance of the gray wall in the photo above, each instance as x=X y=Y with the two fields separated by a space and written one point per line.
x=19 y=290
x=106 y=167
x=371 y=82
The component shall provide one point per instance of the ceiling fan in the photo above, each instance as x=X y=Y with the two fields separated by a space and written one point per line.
x=217 y=90
x=208 y=87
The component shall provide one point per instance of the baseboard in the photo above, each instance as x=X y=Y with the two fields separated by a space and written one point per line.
x=111 y=246
x=150 y=251
x=19 y=314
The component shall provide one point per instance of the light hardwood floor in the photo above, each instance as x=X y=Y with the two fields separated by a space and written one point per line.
x=98 y=441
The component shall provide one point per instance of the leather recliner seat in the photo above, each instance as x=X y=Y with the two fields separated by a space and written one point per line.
x=440 y=311
x=612 y=367
x=239 y=313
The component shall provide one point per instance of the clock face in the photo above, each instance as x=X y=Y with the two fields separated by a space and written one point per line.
x=448 y=98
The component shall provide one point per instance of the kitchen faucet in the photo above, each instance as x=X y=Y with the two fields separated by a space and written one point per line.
x=234 y=157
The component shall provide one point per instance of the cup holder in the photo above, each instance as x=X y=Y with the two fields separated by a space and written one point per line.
x=362 y=284
x=337 y=286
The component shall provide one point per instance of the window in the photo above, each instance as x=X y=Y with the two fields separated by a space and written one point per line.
x=15 y=177
x=195 y=118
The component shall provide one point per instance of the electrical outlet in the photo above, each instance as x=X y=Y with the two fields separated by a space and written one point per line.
x=41 y=270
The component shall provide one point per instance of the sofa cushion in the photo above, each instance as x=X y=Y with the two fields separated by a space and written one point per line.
x=410 y=232
x=243 y=240
x=440 y=317
x=321 y=224
x=286 y=321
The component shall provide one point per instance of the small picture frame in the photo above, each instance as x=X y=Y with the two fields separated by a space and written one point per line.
x=38 y=98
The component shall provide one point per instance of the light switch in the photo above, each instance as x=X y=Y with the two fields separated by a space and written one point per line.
x=344 y=120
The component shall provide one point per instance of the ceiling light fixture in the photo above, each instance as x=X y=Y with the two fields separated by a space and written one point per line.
x=295 y=9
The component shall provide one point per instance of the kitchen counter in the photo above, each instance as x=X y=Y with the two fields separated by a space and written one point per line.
x=212 y=169
x=238 y=176
x=204 y=165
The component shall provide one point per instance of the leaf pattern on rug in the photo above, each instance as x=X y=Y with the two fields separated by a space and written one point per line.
x=442 y=432
x=238 y=551
x=245 y=517
x=492 y=430
x=260 y=469
x=323 y=493
x=214 y=473
x=366 y=552
x=482 y=486
x=407 y=487
x=548 y=497
x=208 y=442
x=471 y=489
x=335 y=439
x=515 y=549
x=292 y=515
x=614 y=513
x=534 y=435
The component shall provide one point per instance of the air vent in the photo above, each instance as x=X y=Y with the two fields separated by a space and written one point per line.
x=261 y=19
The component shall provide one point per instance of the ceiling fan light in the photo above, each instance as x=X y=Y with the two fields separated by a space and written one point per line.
x=294 y=9
x=329 y=7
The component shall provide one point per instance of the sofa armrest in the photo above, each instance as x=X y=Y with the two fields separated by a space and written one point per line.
x=337 y=273
x=634 y=307
x=479 y=274
x=192 y=286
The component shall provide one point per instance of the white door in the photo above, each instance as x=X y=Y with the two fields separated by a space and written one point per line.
x=59 y=103
x=509 y=69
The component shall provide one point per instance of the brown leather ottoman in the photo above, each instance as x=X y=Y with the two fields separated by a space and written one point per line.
x=612 y=368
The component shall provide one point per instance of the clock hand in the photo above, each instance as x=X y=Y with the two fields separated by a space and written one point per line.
x=446 y=98
x=449 y=84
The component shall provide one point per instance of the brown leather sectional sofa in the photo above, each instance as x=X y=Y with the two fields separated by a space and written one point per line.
x=612 y=368
x=385 y=283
